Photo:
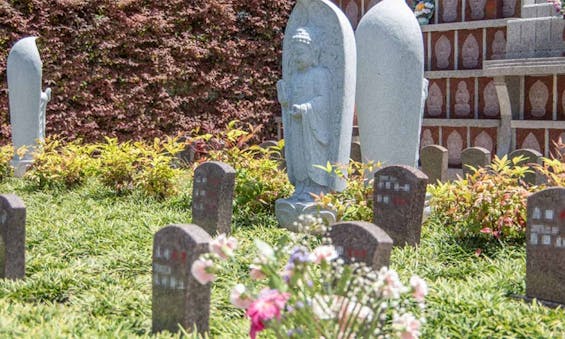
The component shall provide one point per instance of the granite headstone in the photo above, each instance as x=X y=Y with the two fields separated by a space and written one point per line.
x=434 y=162
x=212 y=196
x=178 y=298
x=529 y=157
x=12 y=237
x=545 y=247
x=398 y=203
x=475 y=157
x=361 y=241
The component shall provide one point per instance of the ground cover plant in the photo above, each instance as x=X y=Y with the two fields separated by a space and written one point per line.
x=89 y=267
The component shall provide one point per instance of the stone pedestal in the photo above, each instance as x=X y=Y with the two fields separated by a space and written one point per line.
x=288 y=211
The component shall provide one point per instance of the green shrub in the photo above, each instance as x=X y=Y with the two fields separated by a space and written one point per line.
x=126 y=166
x=489 y=203
x=356 y=201
x=63 y=165
x=6 y=154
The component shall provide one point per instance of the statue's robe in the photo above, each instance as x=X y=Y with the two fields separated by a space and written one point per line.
x=307 y=138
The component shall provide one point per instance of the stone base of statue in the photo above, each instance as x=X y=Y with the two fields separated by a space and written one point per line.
x=20 y=167
x=288 y=211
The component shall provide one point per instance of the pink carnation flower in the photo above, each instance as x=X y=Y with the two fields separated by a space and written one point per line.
x=324 y=253
x=223 y=246
x=266 y=307
x=407 y=326
x=239 y=297
x=419 y=288
x=255 y=272
x=203 y=270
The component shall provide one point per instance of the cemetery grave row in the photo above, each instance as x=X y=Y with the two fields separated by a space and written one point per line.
x=398 y=203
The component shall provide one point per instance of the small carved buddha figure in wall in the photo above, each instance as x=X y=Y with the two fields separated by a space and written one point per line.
x=484 y=140
x=508 y=8
x=491 y=108
x=435 y=100
x=531 y=142
x=352 y=13
x=428 y=139
x=498 y=45
x=454 y=147
x=477 y=9
x=449 y=10
x=443 y=52
x=462 y=97
x=538 y=98
x=470 y=52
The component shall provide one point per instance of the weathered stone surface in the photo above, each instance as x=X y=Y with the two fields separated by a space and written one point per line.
x=434 y=162
x=475 y=157
x=12 y=237
x=28 y=102
x=356 y=154
x=545 y=248
x=398 y=205
x=530 y=156
x=360 y=241
x=178 y=298
x=390 y=83
x=317 y=96
x=212 y=197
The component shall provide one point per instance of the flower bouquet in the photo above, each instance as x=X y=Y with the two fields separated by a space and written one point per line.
x=424 y=10
x=304 y=293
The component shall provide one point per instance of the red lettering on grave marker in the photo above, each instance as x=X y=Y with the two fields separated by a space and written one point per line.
x=183 y=256
x=562 y=214
x=398 y=201
x=174 y=257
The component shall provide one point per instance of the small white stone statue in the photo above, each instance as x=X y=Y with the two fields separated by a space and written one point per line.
x=316 y=94
x=449 y=10
x=539 y=94
x=391 y=88
x=455 y=148
x=427 y=138
x=508 y=7
x=484 y=140
x=28 y=103
x=435 y=101
x=498 y=46
x=531 y=142
x=491 y=108
x=443 y=52
x=477 y=9
x=470 y=52
x=462 y=97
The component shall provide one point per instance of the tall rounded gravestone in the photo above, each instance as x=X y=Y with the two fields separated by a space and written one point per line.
x=390 y=83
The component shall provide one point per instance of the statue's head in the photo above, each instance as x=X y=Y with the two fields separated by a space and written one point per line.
x=304 y=50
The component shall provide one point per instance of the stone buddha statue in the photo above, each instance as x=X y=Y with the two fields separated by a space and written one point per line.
x=498 y=45
x=470 y=52
x=491 y=108
x=442 y=52
x=462 y=97
x=434 y=102
x=538 y=96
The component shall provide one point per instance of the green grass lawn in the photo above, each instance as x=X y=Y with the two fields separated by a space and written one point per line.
x=88 y=271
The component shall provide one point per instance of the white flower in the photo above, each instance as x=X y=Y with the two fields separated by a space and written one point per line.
x=223 y=246
x=406 y=326
x=324 y=253
x=419 y=288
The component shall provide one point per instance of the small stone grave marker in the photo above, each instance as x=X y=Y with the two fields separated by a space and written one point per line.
x=398 y=205
x=475 y=157
x=212 y=196
x=361 y=241
x=12 y=237
x=434 y=162
x=545 y=248
x=178 y=298
x=530 y=156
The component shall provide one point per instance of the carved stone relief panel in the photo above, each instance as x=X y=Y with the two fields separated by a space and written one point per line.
x=449 y=10
x=470 y=52
x=435 y=102
x=443 y=52
x=477 y=9
x=462 y=100
x=498 y=45
x=508 y=8
x=538 y=103
x=455 y=140
x=489 y=102
x=462 y=94
x=531 y=138
x=484 y=137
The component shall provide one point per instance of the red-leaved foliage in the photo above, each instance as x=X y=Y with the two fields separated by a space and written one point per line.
x=137 y=69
